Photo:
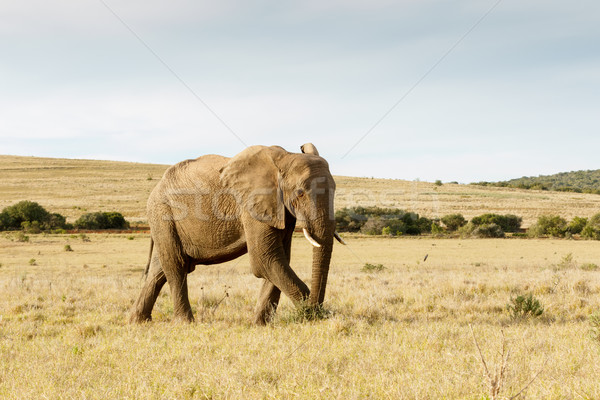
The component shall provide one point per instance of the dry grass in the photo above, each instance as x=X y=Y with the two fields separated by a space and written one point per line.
x=397 y=332
x=72 y=187
x=400 y=333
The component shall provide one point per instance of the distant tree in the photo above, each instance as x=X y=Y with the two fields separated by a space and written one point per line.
x=577 y=225
x=101 y=220
x=549 y=225
x=592 y=228
x=508 y=222
x=453 y=222
x=30 y=216
x=577 y=181
x=372 y=221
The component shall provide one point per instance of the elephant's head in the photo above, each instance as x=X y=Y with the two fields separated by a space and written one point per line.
x=274 y=185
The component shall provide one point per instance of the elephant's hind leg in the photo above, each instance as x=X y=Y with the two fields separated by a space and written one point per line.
x=155 y=280
x=267 y=303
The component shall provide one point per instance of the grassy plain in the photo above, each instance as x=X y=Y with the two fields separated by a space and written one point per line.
x=401 y=333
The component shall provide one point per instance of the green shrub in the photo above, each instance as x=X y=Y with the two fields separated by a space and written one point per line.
x=6 y=221
x=31 y=227
x=577 y=225
x=372 y=267
x=523 y=307
x=31 y=217
x=350 y=219
x=101 y=220
x=548 y=225
x=438 y=183
x=422 y=225
x=567 y=262
x=592 y=229
x=453 y=222
x=436 y=229
x=488 y=231
x=481 y=231
x=373 y=221
x=589 y=267
x=508 y=222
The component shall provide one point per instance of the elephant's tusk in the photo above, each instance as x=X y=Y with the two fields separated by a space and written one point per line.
x=339 y=238
x=309 y=238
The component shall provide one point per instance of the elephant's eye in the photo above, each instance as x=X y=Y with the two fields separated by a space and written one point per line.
x=300 y=193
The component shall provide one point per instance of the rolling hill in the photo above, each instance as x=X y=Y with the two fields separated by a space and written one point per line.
x=575 y=181
x=73 y=187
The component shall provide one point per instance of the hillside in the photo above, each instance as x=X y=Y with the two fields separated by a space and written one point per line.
x=574 y=181
x=72 y=187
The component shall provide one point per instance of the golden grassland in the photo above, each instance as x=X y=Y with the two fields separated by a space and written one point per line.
x=400 y=333
x=72 y=187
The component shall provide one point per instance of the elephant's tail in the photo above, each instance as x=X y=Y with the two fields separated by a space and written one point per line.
x=149 y=258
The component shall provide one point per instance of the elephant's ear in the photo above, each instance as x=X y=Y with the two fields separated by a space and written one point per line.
x=254 y=178
x=309 y=148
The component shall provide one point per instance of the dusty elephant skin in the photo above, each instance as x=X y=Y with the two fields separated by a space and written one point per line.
x=214 y=209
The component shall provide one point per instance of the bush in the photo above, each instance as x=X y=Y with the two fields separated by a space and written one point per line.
x=373 y=267
x=102 y=220
x=377 y=221
x=508 y=222
x=523 y=307
x=31 y=217
x=376 y=225
x=577 y=225
x=436 y=229
x=350 y=219
x=549 y=225
x=453 y=222
x=481 y=231
x=592 y=229
x=488 y=231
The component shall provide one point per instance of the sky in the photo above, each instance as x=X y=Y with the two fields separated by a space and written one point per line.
x=411 y=89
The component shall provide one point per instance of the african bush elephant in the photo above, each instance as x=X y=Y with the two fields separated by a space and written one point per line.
x=214 y=209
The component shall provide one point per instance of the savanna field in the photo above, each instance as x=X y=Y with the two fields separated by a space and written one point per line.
x=409 y=317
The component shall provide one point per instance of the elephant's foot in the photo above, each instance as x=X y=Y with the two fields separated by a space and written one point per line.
x=263 y=316
x=184 y=316
x=139 y=318
x=267 y=303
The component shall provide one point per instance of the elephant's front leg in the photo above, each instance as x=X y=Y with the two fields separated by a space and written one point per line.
x=269 y=260
x=267 y=303
x=268 y=298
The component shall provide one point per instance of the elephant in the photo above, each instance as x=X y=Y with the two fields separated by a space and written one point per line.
x=213 y=209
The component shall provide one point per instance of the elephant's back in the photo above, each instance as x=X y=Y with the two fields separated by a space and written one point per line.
x=208 y=165
x=201 y=172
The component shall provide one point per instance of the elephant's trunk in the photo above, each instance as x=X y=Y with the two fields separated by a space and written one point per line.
x=321 y=259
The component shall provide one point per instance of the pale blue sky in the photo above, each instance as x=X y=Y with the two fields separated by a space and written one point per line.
x=519 y=95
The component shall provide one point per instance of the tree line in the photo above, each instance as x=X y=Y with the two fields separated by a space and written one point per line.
x=31 y=217
x=396 y=222
x=577 y=181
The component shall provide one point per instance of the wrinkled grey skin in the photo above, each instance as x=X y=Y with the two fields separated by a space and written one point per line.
x=214 y=209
